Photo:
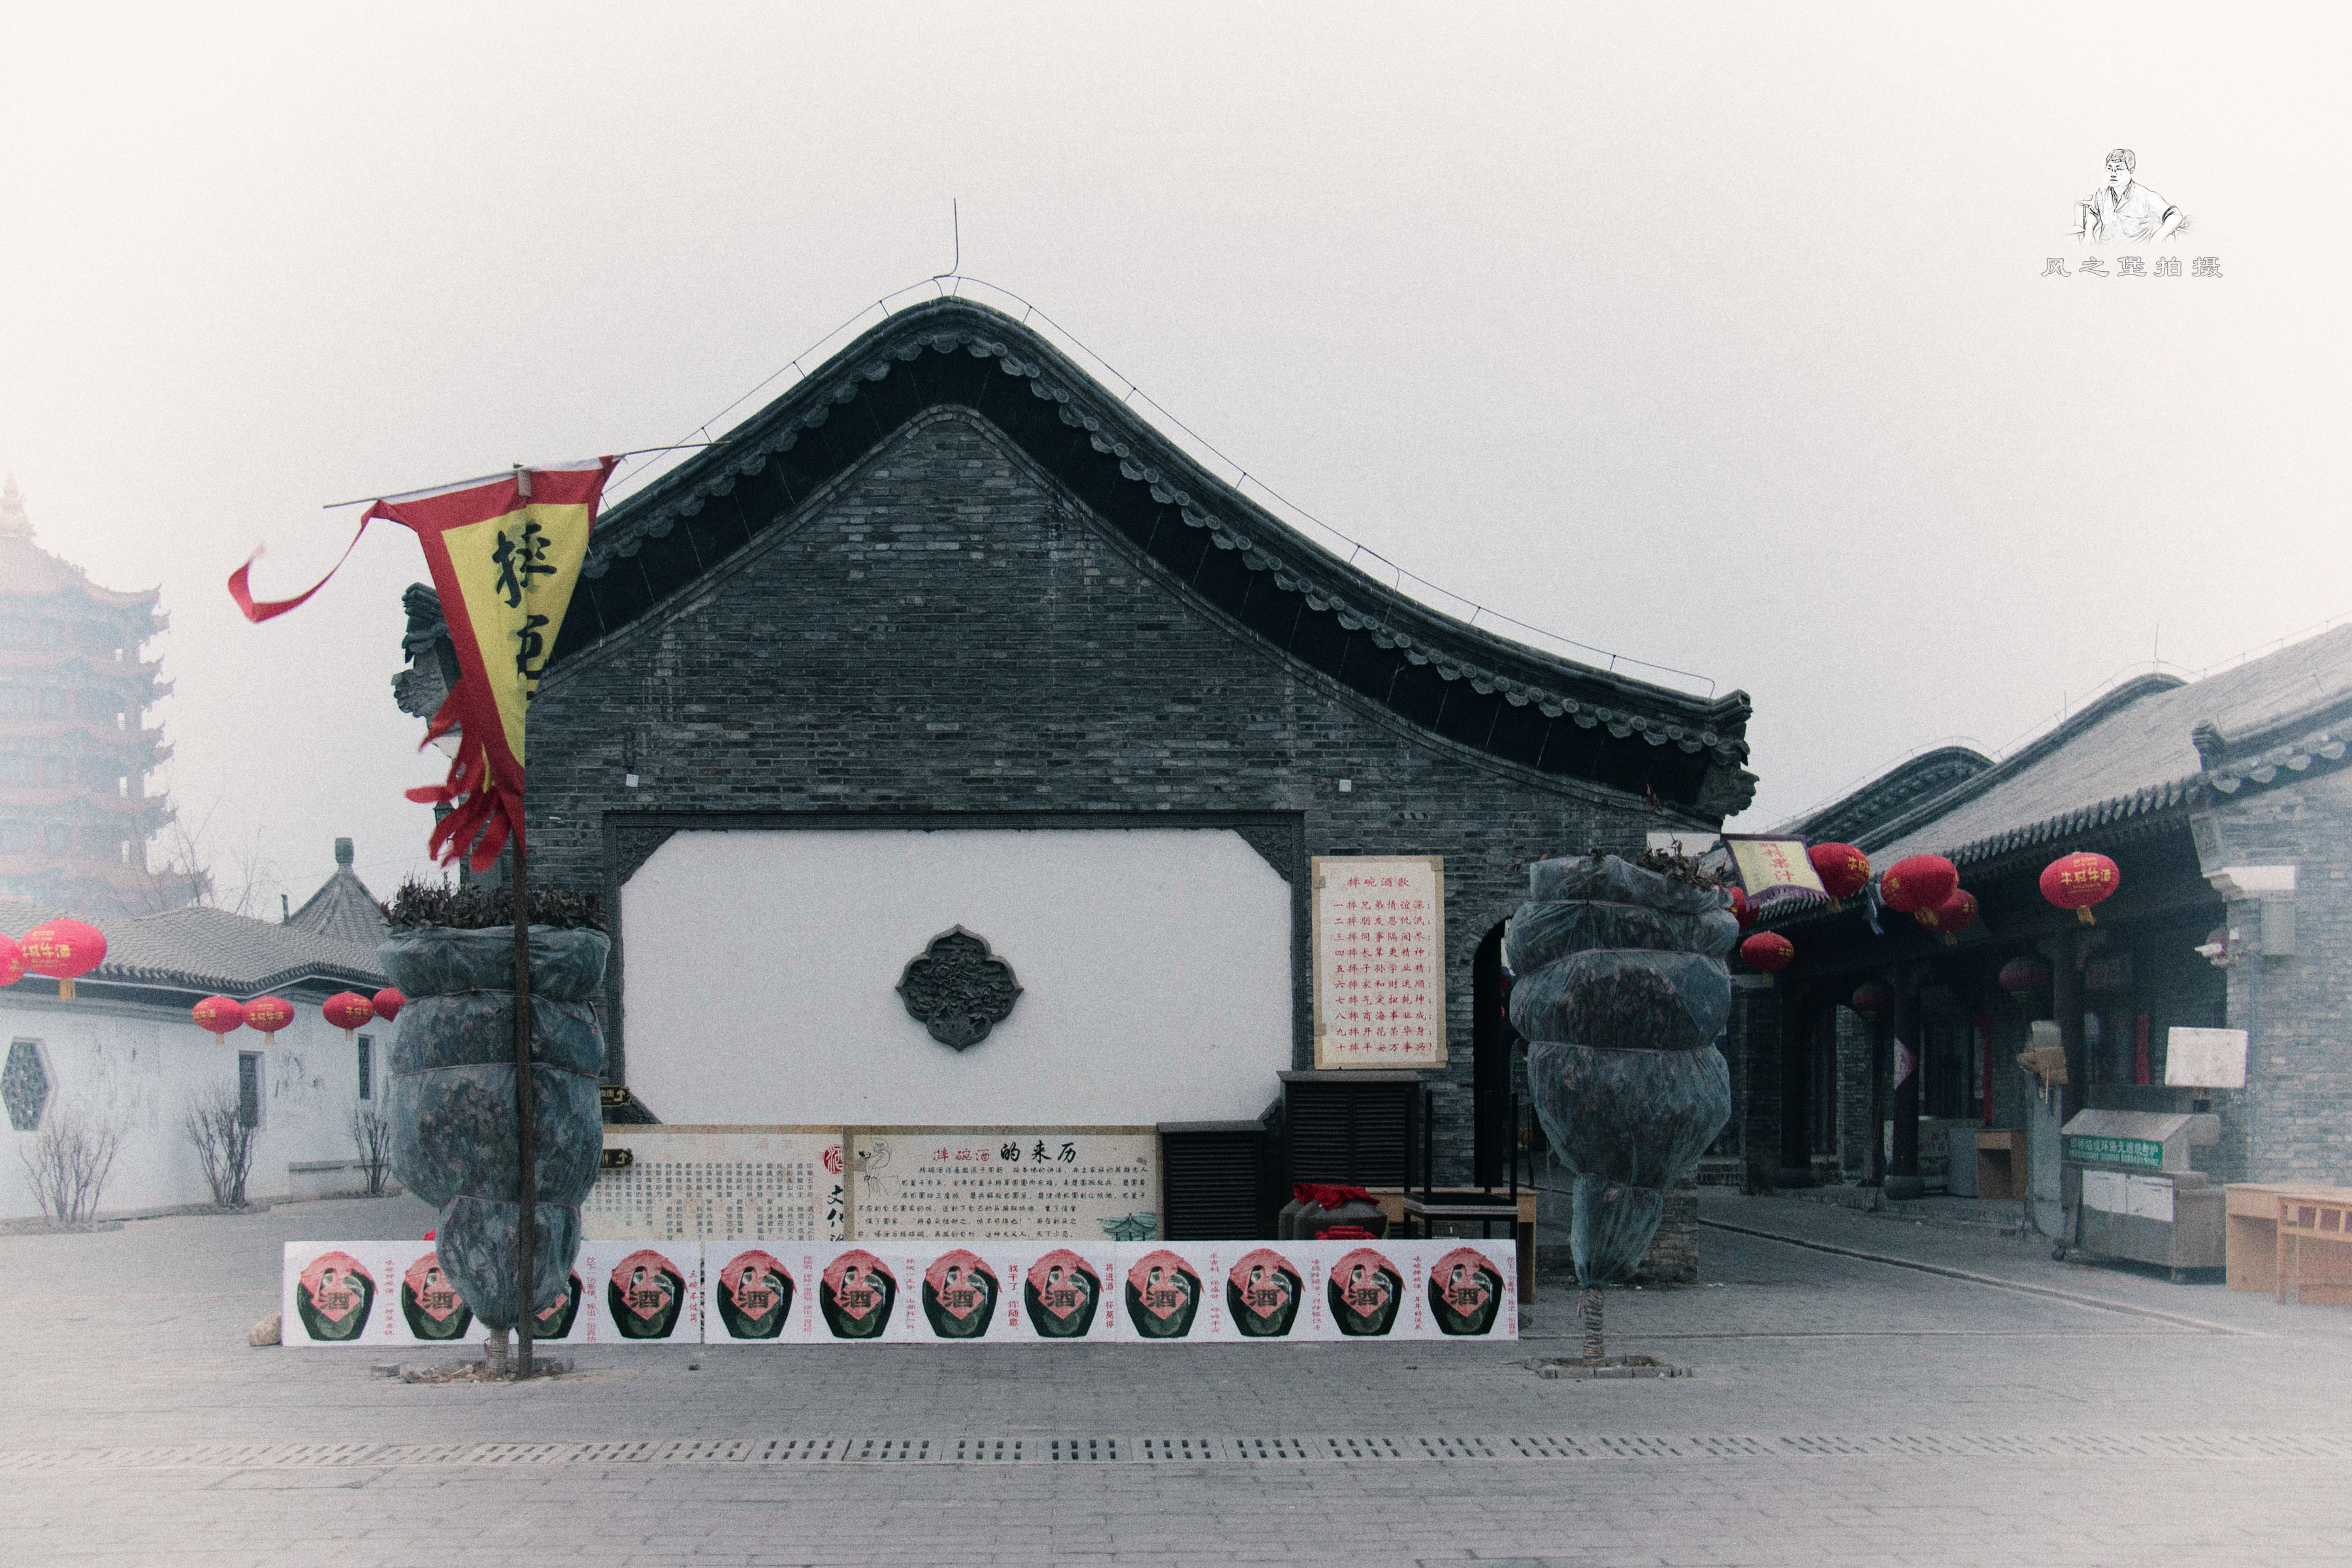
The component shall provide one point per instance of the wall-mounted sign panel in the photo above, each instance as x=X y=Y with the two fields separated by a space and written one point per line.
x=1081 y=1184
x=1379 y=960
x=719 y=1183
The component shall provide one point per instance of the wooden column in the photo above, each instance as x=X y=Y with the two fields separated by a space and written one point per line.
x=1903 y=1098
x=1796 y=1169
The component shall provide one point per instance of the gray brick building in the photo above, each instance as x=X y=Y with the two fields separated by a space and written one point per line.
x=2205 y=795
x=949 y=582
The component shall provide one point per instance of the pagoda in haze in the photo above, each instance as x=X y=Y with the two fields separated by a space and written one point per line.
x=75 y=747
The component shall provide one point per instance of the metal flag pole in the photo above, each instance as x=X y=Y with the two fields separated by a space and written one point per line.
x=527 y=1189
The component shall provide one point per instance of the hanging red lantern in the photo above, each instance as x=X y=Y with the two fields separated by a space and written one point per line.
x=1741 y=910
x=11 y=960
x=1951 y=916
x=268 y=1015
x=1872 y=996
x=218 y=1015
x=1767 y=950
x=388 y=1004
x=2077 y=881
x=2021 y=975
x=62 y=949
x=347 y=1010
x=1921 y=882
x=1844 y=870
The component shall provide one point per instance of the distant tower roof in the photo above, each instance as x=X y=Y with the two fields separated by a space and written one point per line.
x=342 y=908
x=14 y=522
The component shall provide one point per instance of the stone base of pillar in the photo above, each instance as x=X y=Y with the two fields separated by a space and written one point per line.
x=1904 y=1188
x=1786 y=1177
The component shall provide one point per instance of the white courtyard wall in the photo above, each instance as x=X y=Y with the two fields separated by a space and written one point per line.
x=139 y=1067
x=761 y=965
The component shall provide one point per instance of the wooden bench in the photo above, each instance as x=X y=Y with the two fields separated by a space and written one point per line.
x=2307 y=1219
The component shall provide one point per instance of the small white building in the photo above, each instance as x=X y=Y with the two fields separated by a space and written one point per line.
x=126 y=1053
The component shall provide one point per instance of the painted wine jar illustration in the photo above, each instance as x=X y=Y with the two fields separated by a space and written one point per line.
x=1163 y=1295
x=1262 y=1294
x=1063 y=1292
x=855 y=1293
x=959 y=1296
x=1365 y=1289
x=644 y=1294
x=755 y=1295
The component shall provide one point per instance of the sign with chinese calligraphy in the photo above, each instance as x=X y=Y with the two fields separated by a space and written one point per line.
x=719 y=1183
x=1775 y=873
x=1080 y=1184
x=1379 y=960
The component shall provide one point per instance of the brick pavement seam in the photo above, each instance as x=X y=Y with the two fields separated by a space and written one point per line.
x=1949 y=1272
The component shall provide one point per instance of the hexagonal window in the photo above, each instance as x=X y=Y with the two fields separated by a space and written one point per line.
x=25 y=1085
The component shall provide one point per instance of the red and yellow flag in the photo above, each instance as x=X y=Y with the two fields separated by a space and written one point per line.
x=505 y=553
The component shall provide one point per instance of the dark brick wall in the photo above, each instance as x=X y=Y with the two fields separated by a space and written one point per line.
x=946 y=629
x=2294 y=1120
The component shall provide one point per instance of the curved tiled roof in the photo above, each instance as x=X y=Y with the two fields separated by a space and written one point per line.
x=2137 y=753
x=1468 y=686
x=200 y=951
x=342 y=908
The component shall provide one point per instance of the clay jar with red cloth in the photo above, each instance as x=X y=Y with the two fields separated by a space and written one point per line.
x=1314 y=1207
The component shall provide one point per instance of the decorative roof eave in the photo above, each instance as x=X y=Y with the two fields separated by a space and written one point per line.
x=2178 y=796
x=1523 y=675
x=2008 y=767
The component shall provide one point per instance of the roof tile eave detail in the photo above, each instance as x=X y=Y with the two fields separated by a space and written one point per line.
x=1459 y=651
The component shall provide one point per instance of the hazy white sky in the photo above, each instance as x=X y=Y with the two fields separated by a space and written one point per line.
x=1714 y=334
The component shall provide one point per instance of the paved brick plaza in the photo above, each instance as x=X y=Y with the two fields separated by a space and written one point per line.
x=1842 y=1412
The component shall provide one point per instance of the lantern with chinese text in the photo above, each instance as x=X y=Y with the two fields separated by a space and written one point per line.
x=2077 y=881
x=1872 y=996
x=1920 y=882
x=1844 y=870
x=347 y=1010
x=268 y=1015
x=218 y=1015
x=2022 y=976
x=1951 y=916
x=388 y=1004
x=11 y=960
x=62 y=949
x=1767 y=950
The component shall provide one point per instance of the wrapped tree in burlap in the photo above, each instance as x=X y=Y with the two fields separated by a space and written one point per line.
x=1620 y=987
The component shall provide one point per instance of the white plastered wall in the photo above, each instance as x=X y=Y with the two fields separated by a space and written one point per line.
x=760 y=968
x=137 y=1068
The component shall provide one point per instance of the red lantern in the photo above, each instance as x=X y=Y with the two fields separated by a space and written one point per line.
x=218 y=1015
x=2073 y=882
x=268 y=1015
x=1954 y=915
x=1842 y=869
x=2020 y=976
x=1872 y=996
x=11 y=960
x=347 y=1010
x=1741 y=910
x=1921 y=882
x=388 y=1004
x=62 y=949
x=1767 y=950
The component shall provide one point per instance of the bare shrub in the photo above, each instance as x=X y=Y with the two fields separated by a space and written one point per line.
x=68 y=1164
x=371 y=1133
x=224 y=1141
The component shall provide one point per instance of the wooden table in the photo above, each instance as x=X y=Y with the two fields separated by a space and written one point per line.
x=2306 y=1221
x=2251 y=1241
x=1423 y=1210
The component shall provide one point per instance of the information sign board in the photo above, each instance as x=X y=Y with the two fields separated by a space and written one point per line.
x=1060 y=1184
x=1379 y=949
x=719 y=1183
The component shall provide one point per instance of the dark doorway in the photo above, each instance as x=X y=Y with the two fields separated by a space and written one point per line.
x=1491 y=1039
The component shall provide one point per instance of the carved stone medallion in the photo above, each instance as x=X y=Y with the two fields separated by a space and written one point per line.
x=958 y=989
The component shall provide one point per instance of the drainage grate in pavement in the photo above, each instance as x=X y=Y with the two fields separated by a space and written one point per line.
x=1344 y=1448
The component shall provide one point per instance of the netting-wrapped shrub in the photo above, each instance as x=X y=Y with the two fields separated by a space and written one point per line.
x=452 y=1099
x=1619 y=986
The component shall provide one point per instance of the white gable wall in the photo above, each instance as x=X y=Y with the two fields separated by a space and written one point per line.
x=760 y=968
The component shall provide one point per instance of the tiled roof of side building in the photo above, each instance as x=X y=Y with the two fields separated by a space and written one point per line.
x=206 y=949
x=342 y=908
x=2132 y=752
